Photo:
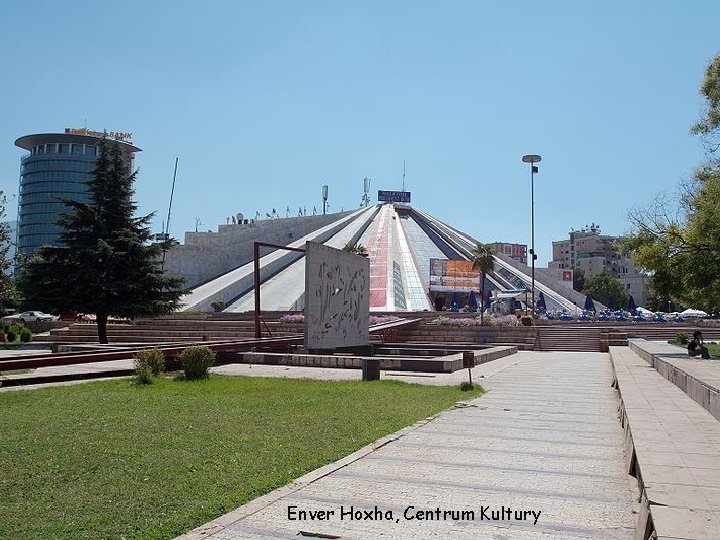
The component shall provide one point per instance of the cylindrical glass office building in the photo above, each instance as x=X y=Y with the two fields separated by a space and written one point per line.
x=57 y=167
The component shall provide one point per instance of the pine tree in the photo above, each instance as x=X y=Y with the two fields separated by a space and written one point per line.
x=106 y=265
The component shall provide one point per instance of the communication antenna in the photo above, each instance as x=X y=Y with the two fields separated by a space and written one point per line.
x=324 y=198
x=365 y=201
x=403 y=185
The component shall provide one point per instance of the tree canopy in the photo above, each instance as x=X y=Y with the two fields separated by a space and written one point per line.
x=355 y=248
x=106 y=265
x=8 y=294
x=601 y=287
x=677 y=239
x=578 y=279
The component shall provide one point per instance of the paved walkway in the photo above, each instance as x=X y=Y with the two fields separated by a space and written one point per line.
x=539 y=456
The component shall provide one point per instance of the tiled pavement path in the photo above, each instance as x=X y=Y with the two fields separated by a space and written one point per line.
x=544 y=441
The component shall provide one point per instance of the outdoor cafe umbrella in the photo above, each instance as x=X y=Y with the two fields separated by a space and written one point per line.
x=611 y=303
x=693 y=313
x=454 y=302
x=589 y=304
x=541 y=302
x=472 y=301
x=632 y=308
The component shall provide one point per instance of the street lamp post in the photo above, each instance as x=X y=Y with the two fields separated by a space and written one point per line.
x=532 y=159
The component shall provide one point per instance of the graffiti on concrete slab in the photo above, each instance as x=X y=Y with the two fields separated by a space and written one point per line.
x=336 y=298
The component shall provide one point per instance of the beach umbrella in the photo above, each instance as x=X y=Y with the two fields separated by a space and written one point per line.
x=693 y=313
x=611 y=303
x=631 y=305
x=541 y=302
x=589 y=304
x=472 y=301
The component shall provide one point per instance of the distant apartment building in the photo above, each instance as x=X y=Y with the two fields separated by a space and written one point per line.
x=514 y=251
x=594 y=253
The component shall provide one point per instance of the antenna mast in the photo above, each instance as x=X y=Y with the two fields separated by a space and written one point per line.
x=166 y=237
x=403 y=186
x=365 y=201
x=172 y=192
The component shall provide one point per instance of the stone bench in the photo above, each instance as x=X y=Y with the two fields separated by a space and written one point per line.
x=673 y=448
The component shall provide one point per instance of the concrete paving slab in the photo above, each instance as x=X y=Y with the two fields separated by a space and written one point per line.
x=540 y=455
x=679 y=463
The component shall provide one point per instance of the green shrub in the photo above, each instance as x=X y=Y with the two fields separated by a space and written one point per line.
x=526 y=320
x=196 y=361
x=466 y=386
x=25 y=334
x=682 y=338
x=10 y=335
x=143 y=373
x=217 y=306
x=153 y=358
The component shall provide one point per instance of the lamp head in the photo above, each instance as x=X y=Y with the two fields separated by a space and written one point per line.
x=532 y=158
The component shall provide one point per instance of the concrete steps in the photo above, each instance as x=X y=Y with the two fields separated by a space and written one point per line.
x=167 y=330
x=521 y=337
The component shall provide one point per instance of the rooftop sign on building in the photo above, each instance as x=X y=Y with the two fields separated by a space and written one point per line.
x=394 y=196
x=117 y=135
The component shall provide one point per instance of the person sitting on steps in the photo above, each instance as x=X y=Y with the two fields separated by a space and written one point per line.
x=696 y=346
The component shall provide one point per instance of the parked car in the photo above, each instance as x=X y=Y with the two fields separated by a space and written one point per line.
x=35 y=316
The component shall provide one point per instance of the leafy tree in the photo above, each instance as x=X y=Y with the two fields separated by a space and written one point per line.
x=655 y=303
x=8 y=294
x=602 y=286
x=357 y=249
x=677 y=240
x=483 y=262
x=106 y=265
x=708 y=127
x=578 y=279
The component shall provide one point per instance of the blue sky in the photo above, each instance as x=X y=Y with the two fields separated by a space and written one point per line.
x=265 y=102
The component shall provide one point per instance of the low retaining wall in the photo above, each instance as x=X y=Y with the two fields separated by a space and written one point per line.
x=683 y=371
x=438 y=364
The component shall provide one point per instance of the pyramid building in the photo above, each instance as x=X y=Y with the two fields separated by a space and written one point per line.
x=417 y=263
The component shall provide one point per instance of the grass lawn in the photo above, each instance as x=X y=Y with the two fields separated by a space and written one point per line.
x=117 y=460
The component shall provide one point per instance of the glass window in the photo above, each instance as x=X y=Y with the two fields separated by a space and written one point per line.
x=89 y=150
x=77 y=148
x=64 y=148
x=51 y=148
